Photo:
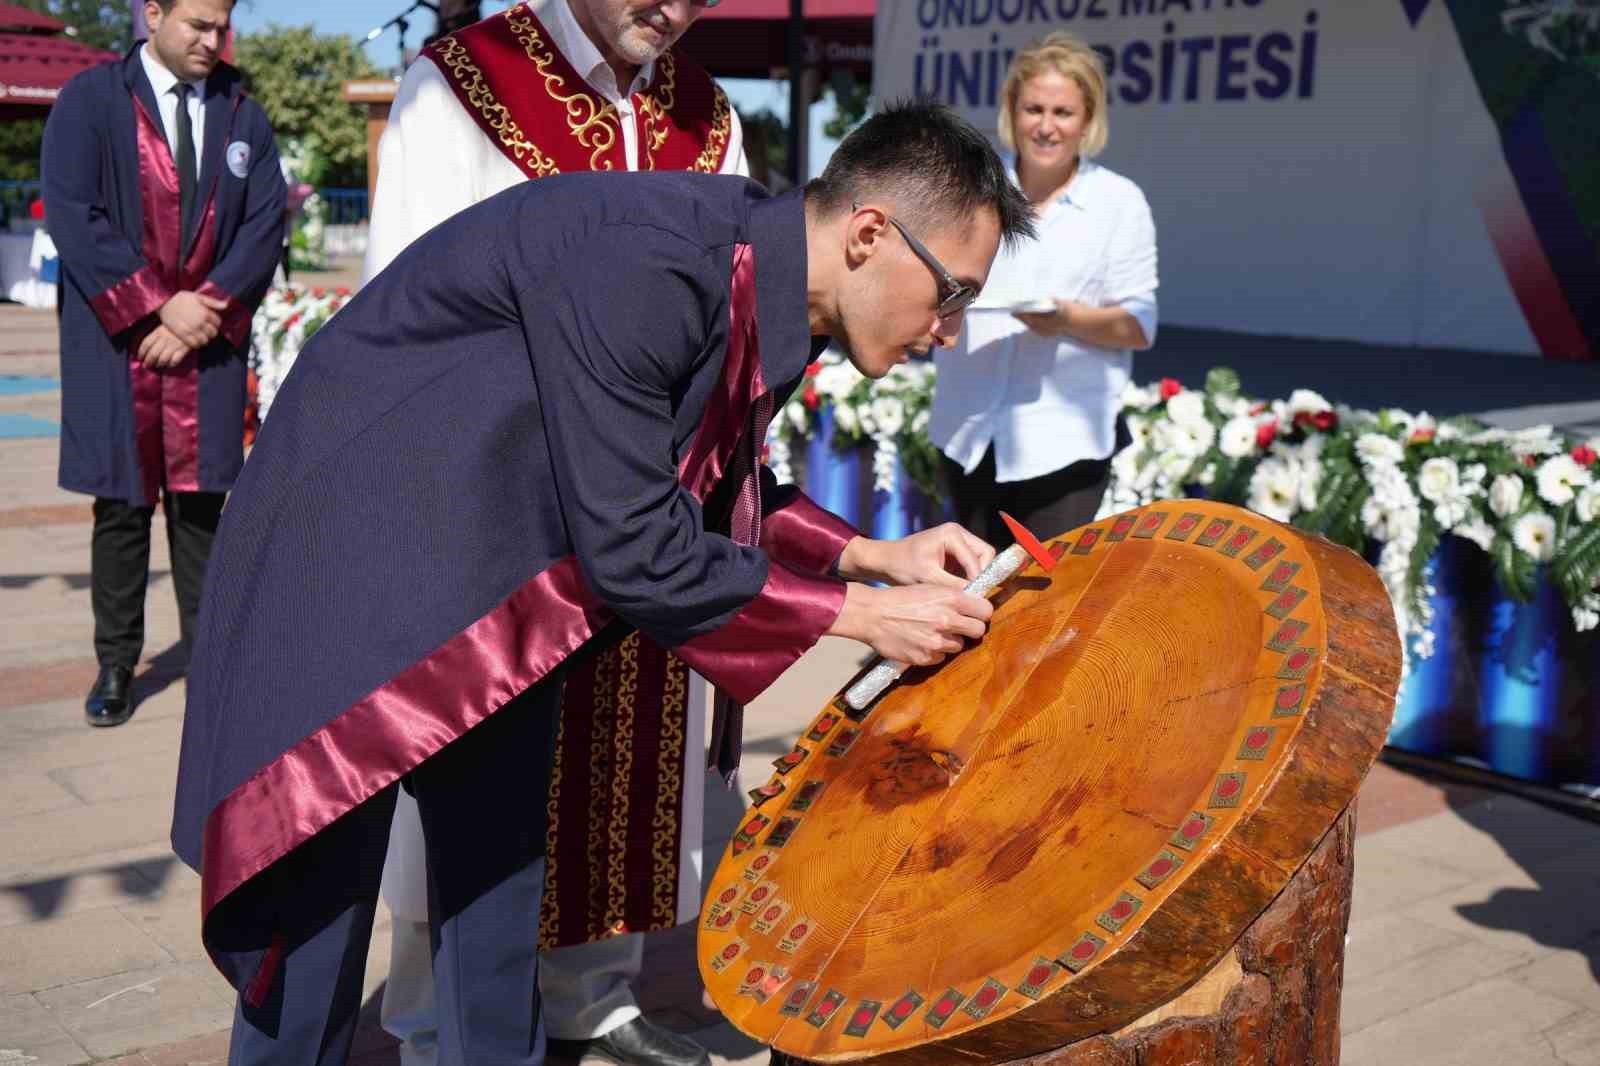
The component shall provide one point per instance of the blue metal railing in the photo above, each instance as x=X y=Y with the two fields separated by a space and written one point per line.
x=345 y=206
x=15 y=196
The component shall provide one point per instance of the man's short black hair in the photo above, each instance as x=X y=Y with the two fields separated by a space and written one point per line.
x=938 y=169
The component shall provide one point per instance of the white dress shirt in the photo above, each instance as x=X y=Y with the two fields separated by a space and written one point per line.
x=1044 y=403
x=435 y=160
x=162 y=80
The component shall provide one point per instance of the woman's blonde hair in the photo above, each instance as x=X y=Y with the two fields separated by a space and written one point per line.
x=1070 y=57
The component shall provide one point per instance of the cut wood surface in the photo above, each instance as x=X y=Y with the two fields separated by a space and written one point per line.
x=1064 y=827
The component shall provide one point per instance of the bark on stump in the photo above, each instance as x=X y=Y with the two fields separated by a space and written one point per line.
x=1273 y=1000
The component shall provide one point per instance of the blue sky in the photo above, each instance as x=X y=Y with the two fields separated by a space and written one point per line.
x=356 y=17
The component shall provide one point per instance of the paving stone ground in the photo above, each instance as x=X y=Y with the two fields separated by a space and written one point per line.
x=1475 y=939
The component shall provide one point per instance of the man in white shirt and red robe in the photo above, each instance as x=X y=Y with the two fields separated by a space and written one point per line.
x=531 y=92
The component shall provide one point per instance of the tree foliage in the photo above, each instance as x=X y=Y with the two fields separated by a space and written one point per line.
x=298 y=76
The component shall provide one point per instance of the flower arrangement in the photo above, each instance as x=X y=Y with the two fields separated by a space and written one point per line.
x=890 y=415
x=1390 y=479
x=285 y=321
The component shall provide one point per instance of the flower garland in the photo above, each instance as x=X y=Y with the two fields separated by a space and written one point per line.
x=285 y=321
x=890 y=415
x=1392 y=479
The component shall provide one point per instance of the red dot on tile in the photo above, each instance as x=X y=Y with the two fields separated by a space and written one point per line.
x=761 y=863
x=1083 y=950
x=772 y=913
x=1283 y=572
x=1187 y=522
x=944 y=1006
x=987 y=995
x=1215 y=529
x=1228 y=786
x=861 y=1017
x=1160 y=868
x=1038 y=975
x=1121 y=909
x=1257 y=740
x=754 y=975
x=1289 y=696
x=799 y=931
x=1286 y=599
x=725 y=919
x=1299 y=660
x=1193 y=828
x=797 y=997
x=1151 y=521
x=903 y=1008
x=827 y=1006
x=730 y=951
x=727 y=897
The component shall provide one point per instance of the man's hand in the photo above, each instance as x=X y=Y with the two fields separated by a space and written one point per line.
x=916 y=624
x=193 y=318
x=162 y=349
x=946 y=555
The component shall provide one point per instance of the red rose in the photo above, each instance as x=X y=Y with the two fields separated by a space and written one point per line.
x=1266 y=432
x=1583 y=455
x=810 y=398
x=1170 y=387
x=1257 y=407
x=1301 y=418
x=1422 y=436
x=319 y=292
x=1325 y=420
x=813 y=369
x=342 y=290
x=1530 y=460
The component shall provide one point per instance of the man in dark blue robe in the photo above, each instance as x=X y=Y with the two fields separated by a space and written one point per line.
x=162 y=187
x=540 y=427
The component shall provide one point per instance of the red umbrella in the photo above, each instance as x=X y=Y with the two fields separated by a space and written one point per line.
x=21 y=19
x=34 y=67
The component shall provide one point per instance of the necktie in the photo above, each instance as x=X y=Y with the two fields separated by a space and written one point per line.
x=727 y=719
x=187 y=178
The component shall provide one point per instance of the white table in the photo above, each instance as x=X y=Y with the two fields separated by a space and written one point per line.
x=21 y=256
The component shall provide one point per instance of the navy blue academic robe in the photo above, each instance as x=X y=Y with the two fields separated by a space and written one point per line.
x=534 y=424
x=111 y=202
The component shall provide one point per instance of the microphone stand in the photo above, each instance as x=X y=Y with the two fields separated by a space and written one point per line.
x=401 y=24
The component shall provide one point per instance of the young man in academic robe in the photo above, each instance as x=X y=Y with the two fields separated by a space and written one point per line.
x=162 y=187
x=449 y=144
x=539 y=429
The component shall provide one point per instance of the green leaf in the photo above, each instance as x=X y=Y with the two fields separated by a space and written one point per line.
x=1222 y=381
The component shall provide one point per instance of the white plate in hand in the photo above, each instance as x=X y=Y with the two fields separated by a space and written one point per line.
x=1041 y=306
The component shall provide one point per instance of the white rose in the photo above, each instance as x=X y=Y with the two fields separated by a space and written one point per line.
x=1304 y=400
x=1232 y=406
x=1140 y=395
x=835 y=380
x=1274 y=490
x=1588 y=505
x=844 y=419
x=1559 y=479
x=1505 y=494
x=797 y=415
x=1310 y=484
x=1377 y=448
x=890 y=414
x=1452 y=511
x=1197 y=437
x=919 y=424
x=1188 y=408
x=1238 y=438
x=1535 y=534
x=1141 y=429
x=1439 y=479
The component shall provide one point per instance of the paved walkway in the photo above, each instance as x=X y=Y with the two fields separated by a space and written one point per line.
x=1476 y=936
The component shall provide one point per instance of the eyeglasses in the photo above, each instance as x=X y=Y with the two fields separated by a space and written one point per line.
x=954 y=296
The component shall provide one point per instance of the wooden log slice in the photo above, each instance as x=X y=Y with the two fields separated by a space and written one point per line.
x=1062 y=828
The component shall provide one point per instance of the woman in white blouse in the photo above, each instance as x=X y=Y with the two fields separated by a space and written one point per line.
x=1027 y=400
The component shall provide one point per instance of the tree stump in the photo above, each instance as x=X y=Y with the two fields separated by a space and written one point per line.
x=1102 y=835
x=1273 y=1000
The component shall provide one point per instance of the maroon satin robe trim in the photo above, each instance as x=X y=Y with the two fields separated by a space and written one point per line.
x=805 y=535
x=402 y=722
x=764 y=639
x=728 y=407
x=135 y=297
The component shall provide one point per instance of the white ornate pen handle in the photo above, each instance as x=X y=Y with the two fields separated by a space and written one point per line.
x=861 y=694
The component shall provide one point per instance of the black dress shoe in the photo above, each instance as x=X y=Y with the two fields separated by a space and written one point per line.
x=635 y=1043
x=110 y=702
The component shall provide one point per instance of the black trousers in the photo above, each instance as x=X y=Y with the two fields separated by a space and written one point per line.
x=1048 y=505
x=120 y=568
x=483 y=801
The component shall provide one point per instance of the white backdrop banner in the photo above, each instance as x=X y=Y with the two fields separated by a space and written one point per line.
x=1414 y=172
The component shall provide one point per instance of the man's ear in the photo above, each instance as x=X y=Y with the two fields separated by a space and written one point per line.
x=864 y=234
